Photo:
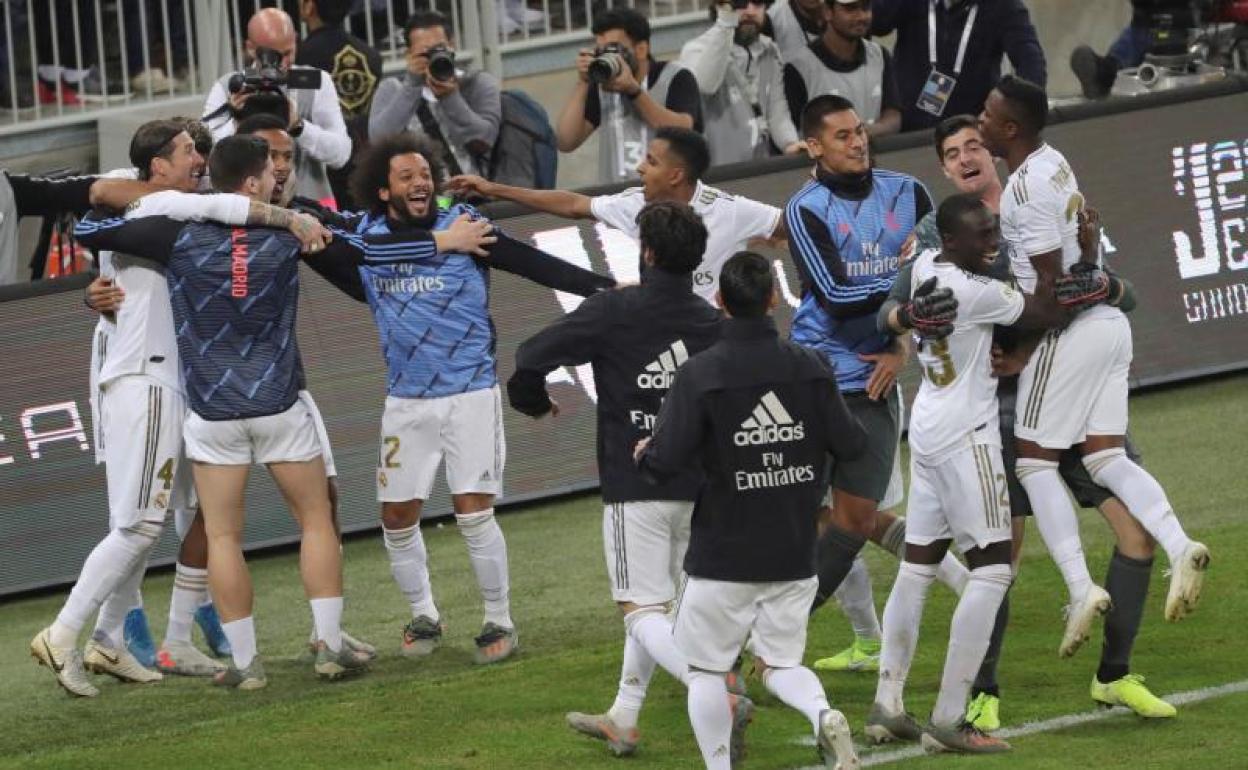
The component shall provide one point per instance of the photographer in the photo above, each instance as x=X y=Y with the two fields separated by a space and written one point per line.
x=622 y=88
x=460 y=110
x=303 y=96
x=739 y=72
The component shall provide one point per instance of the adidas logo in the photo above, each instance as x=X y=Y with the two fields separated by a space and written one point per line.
x=661 y=371
x=769 y=423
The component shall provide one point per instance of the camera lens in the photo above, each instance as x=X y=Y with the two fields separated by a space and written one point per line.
x=604 y=68
x=441 y=64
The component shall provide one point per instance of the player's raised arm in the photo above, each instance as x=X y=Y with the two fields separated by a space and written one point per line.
x=562 y=203
x=521 y=259
x=570 y=341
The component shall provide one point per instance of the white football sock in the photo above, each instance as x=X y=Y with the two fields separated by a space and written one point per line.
x=409 y=564
x=487 y=552
x=857 y=602
x=108 y=564
x=635 y=673
x=327 y=617
x=111 y=620
x=653 y=630
x=711 y=718
x=1143 y=496
x=242 y=636
x=190 y=588
x=798 y=688
x=1055 y=518
x=953 y=573
x=969 y=633
x=902 y=615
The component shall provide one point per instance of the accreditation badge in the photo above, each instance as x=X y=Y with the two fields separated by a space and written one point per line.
x=936 y=92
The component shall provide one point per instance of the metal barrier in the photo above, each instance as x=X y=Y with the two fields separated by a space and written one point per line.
x=69 y=60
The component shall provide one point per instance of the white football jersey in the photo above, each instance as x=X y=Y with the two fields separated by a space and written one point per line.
x=140 y=339
x=958 y=394
x=731 y=222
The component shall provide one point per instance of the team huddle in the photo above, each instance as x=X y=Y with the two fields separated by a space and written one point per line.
x=741 y=473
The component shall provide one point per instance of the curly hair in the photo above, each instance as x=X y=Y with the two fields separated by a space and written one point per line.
x=372 y=169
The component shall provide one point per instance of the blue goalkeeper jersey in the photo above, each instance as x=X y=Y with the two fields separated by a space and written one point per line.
x=432 y=311
x=846 y=237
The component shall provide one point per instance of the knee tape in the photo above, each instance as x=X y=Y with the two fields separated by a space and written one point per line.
x=1028 y=466
x=1099 y=461
x=1000 y=574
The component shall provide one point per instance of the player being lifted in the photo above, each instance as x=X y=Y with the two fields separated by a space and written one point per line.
x=760 y=416
x=672 y=170
x=636 y=338
x=958 y=491
x=966 y=162
x=430 y=301
x=1073 y=390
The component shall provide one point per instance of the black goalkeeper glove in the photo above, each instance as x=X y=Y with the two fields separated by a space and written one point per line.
x=1084 y=286
x=931 y=312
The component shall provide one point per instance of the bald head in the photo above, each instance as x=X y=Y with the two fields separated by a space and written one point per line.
x=272 y=28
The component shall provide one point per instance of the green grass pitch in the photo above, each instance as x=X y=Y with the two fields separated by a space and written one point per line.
x=444 y=712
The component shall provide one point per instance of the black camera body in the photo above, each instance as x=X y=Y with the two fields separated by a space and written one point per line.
x=266 y=75
x=609 y=61
x=441 y=63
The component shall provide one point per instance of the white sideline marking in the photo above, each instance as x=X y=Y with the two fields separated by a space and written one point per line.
x=871 y=757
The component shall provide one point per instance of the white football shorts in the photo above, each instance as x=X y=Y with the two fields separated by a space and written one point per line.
x=330 y=469
x=287 y=437
x=1076 y=383
x=961 y=496
x=715 y=617
x=644 y=542
x=141 y=441
x=417 y=433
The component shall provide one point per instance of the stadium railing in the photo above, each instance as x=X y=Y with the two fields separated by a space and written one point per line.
x=1166 y=172
x=95 y=35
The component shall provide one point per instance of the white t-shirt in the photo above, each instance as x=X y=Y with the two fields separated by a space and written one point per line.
x=731 y=222
x=958 y=393
x=140 y=339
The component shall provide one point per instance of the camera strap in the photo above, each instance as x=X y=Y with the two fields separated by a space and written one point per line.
x=432 y=130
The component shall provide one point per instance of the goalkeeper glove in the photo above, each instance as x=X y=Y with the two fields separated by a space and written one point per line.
x=930 y=312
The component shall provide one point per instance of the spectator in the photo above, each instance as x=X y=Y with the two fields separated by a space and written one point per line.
x=644 y=95
x=354 y=67
x=795 y=24
x=1152 y=30
x=313 y=116
x=460 y=110
x=971 y=38
x=739 y=72
x=149 y=60
x=843 y=63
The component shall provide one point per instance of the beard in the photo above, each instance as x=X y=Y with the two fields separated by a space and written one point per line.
x=423 y=222
x=746 y=34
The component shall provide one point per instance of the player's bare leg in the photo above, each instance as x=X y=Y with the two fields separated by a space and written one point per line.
x=220 y=489
x=1037 y=469
x=487 y=552
x=844 y=530
x=362 y=650
x=1106 y=460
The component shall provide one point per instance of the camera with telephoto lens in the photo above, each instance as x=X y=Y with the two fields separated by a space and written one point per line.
x=441 y=62
x=265 y=83
x=609 y=61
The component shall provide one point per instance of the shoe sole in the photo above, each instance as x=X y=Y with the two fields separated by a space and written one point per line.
x=1083 y=630
x=332 y=672
x=246 y=685
x=839 y=753
x=878 y=735
x=97 y=668
x=418 y=650
x=933 y=745
x=1185 y=595
x=617 y=747
x=1083 y=64
x=481 y=659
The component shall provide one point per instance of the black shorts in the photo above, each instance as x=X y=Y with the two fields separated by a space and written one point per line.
x=867 y=476
x=1087 y=493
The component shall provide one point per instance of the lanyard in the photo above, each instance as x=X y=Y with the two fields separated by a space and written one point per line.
x=966 y=35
